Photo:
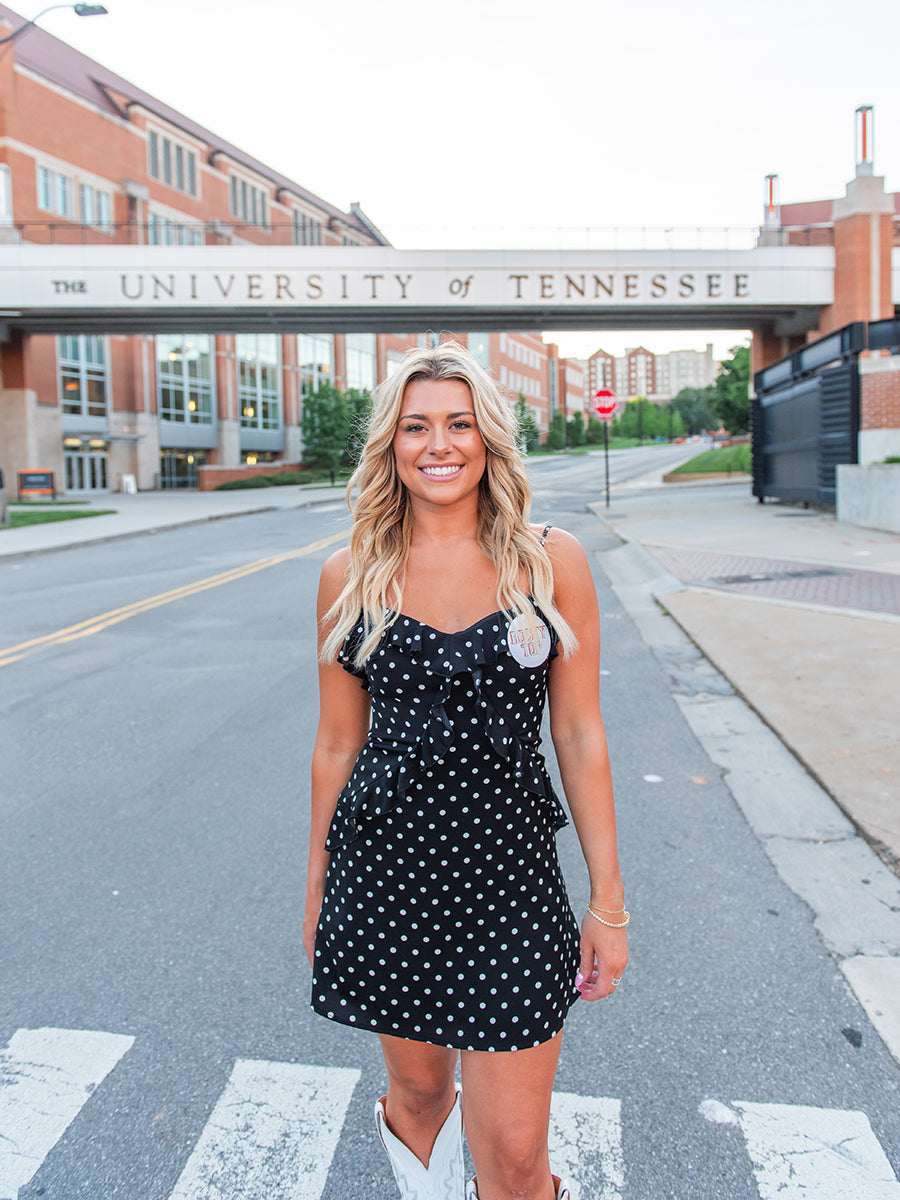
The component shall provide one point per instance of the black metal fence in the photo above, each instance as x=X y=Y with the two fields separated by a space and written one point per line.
x=805 y=415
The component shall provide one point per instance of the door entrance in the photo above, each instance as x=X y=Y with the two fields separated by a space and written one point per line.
x=86 y=470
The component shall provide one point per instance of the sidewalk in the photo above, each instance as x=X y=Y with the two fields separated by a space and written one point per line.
x=801 y=613
x=149 y=512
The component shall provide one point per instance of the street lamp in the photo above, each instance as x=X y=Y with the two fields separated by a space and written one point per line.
x=81 y=10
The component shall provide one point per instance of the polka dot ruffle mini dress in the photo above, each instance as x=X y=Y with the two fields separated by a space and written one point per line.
x=445 y=917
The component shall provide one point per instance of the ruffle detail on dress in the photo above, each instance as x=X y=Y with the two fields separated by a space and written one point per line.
x=385 y=770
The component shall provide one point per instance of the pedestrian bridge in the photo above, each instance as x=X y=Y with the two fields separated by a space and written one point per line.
x=158 y=289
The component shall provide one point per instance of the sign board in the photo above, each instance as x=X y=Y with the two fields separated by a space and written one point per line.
x=604 y=403
x=36 y=483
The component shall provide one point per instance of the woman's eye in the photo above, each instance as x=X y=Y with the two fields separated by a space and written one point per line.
x=413 y=428
x=462 y=425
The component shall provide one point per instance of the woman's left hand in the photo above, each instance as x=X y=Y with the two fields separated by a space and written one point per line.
x=604 y=956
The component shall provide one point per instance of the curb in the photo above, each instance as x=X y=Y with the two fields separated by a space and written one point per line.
x=18 y=555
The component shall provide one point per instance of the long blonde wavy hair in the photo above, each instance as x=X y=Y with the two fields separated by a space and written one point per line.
x=383 y=517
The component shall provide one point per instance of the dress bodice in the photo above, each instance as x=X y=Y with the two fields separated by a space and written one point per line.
x=428 y=688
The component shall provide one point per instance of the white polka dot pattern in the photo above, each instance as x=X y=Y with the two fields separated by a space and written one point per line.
x=445 y=917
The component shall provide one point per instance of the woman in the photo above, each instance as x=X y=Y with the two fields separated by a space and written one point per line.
x=436 y=915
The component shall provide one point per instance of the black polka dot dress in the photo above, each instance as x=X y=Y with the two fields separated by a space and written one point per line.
x=445 y=917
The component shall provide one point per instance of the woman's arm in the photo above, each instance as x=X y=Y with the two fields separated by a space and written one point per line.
x=579 y=740
x=344 y=711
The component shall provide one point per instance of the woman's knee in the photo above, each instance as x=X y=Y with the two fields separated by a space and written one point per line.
x=421 y=1081
x=517 y=1166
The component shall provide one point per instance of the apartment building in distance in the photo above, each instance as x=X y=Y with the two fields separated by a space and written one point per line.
x=86 y=156
x=640 y=372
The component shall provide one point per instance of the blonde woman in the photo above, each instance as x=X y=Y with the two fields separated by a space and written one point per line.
x=436 y=914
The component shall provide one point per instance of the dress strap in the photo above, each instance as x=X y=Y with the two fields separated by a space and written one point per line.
x=547 y=529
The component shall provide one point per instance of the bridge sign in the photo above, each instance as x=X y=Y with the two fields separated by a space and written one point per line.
x=604 y=403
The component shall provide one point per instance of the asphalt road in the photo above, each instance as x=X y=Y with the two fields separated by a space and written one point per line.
x=153 y=816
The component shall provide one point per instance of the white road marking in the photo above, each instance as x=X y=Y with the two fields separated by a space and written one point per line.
x=272 y=1133
x=46 y=1077
x=586 y=1144
x=804 y=1153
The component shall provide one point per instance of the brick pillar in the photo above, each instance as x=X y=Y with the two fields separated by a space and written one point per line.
x=863 y=239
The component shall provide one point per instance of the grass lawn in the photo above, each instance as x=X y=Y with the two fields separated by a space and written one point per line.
x=18 y=518
x=726 y=458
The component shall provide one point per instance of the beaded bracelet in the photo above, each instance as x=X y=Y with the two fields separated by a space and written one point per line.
x=610 y=924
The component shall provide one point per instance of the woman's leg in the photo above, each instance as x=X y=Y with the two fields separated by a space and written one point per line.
x=507 y=1114
x=421 y=1091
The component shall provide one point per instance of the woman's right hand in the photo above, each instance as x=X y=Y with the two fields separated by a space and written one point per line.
x=310 y=924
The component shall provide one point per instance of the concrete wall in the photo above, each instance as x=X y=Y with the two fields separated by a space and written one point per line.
x=870 y=496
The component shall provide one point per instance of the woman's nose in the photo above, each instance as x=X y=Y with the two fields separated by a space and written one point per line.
x=439 y=442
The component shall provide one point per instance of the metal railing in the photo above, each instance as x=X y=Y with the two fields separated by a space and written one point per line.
x=221 y=232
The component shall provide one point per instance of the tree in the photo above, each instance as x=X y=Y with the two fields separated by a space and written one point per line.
x=575 y=426
x=731 y=394
x=325 y=427
x=695 y=407
x=360 y=409
x=528 y=430
x=556 y=435
x=594 y=432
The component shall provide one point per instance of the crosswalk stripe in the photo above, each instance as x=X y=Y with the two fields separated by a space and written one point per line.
x=46 y=1077
x=273 y=1132
x=586 y=1144
x=804 y=1153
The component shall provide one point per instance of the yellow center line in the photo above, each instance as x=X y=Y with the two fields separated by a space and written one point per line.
x=95 y=624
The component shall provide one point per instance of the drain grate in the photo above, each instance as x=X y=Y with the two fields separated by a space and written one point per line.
x=771 y=576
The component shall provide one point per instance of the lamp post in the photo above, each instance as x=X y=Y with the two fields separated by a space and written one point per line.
x=80 y=10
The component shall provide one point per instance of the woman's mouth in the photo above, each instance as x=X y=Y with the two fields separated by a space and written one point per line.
x=444 y=472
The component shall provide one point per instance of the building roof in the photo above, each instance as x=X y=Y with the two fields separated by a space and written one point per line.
x=63 y=65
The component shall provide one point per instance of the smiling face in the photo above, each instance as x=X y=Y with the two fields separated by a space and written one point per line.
x=438 y=449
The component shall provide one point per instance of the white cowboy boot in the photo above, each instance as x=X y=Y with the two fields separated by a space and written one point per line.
x=563 y=1191
x=444 y=1177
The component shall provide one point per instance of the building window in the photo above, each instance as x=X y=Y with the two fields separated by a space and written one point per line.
x=248 y=203
x=95 y=206
x=360 y=361
x=184 y=378
x=259 y=380
x=307 y=230
x=171 y=163
x=6 y=206
x=162 y=231
x=480 y=348
x=315 y=353
x=82 y=375
x=55 y=192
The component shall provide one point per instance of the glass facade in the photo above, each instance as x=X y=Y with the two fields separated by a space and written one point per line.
x=361 y=361
x=315 y=354
x=184 y=378
x=81 y=360
x=178 y=468
x=259 y=380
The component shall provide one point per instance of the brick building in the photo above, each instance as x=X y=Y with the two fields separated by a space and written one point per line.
x=87 y=157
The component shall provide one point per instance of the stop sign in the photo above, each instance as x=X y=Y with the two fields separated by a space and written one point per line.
x=604 y=402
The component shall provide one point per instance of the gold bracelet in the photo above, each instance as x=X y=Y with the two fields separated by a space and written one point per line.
x=613 y=911
x=610 y=924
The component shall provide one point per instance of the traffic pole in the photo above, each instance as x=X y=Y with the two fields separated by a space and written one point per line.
x=606 y=457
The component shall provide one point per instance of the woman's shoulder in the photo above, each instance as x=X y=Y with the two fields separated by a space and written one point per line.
x=561 y=545
x=333 y=575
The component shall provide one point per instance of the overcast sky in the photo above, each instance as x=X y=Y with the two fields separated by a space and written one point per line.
x=512 y=123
